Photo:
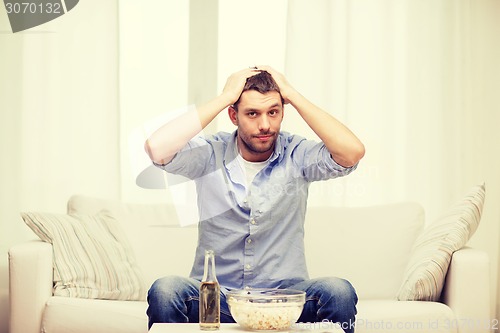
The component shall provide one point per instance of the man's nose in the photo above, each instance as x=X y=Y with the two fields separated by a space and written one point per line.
x=264 y=124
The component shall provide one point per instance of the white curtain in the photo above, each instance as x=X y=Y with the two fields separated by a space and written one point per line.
x=419 y=82
x=153 y=67
x=58 y=119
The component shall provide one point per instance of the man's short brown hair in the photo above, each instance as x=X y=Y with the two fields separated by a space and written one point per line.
x=263 y=83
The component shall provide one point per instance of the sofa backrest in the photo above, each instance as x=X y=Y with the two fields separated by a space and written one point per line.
x=161 y=246
x=369 y=246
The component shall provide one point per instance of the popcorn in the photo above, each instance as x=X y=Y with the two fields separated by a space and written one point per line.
x=264 y=316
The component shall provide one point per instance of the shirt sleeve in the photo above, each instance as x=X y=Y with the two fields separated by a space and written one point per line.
x=316 y=163
x=192 y=161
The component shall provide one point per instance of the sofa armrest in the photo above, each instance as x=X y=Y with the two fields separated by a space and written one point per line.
x=30 y=285
x=467 y=290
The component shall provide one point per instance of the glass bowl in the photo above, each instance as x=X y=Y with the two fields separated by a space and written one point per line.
x=266 y=309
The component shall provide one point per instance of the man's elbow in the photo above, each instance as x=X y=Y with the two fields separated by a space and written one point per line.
x=152 y=152
x=155 y=154
x=147 y=148
x=353 y=157
x=359 y=152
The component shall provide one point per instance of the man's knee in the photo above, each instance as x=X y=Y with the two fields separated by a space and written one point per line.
x=173 y=299
x=338 y=288
x=339 y=293
x=171 y=287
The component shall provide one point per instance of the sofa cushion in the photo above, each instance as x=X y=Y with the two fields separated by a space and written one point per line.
x=383 y=316
x=136 y=214
x=162 y=247
x=374 y=316
x=92 y=256
x=431 y=255
x=369 y=246
x=63 y=315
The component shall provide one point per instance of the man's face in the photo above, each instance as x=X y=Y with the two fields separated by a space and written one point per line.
x=258 y=118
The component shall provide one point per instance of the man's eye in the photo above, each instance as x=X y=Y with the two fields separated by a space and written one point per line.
x=252 y=114
x=273 y=113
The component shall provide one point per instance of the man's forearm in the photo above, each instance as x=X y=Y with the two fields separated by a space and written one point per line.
x=346 y=149
x=170 y=138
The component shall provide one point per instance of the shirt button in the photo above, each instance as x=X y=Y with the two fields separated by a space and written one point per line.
x=249 y=240
x=247 y=266
x=252 y=221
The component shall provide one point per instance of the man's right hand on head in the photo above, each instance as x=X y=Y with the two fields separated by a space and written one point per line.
x=236 y=82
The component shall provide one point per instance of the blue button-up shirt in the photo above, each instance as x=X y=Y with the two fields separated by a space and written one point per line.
x=257 y=235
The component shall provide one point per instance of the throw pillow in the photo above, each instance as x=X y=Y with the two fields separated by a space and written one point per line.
x=431 y=255
x=92 y=256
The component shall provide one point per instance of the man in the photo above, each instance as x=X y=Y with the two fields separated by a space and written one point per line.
x=252 y=196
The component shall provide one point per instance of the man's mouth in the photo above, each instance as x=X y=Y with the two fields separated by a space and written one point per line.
x=264 y=137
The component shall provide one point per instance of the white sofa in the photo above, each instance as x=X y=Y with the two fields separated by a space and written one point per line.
x=369 y=246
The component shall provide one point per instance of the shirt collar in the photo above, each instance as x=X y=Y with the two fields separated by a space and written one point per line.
x=231 y=152
x=230 y=161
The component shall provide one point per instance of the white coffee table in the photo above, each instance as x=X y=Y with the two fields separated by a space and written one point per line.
x=191 y=328
x=235 y=328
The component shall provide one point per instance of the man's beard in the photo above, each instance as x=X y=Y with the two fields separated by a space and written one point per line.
x=259 y=149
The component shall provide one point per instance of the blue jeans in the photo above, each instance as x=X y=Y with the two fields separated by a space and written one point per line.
x=174 y=299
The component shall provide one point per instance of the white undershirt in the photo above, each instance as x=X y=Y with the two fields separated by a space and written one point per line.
x=251 y=169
